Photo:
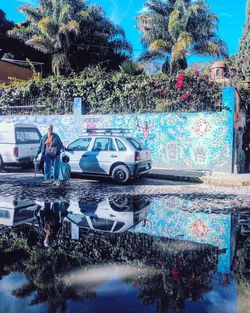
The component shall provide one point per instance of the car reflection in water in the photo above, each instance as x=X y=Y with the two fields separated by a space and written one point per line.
x=14 y=212
x=111 y=214
x=174 y=263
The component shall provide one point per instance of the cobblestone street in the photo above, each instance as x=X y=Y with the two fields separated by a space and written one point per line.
x=20 y=183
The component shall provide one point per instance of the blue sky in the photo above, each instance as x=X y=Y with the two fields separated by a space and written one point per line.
x=231 y=14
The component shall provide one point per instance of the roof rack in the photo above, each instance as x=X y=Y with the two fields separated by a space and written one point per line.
x=108 y=131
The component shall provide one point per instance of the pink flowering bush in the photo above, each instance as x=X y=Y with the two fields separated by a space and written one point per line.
x=184 y=96
x=116 y=92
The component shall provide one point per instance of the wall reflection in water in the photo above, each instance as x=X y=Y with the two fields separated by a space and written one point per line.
x=174 y=218
x=171 y=257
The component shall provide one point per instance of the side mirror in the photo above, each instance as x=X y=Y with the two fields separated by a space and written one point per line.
x=66 y=148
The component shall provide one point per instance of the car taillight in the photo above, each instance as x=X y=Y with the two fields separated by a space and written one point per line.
x=137 y=156
x=15 y=152
x=14 y=202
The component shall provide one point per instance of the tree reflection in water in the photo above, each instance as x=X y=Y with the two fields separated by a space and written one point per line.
x=176 y=273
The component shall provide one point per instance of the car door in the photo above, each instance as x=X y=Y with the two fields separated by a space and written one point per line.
x=101 y=157
x=76 y=151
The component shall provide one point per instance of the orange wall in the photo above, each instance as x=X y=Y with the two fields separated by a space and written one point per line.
x=11 y=70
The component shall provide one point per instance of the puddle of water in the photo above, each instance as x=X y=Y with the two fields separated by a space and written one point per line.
x=122 y=254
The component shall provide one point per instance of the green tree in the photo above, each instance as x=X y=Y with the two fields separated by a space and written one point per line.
x=72 y=34
x=5 y=25
x=243 y=58
x=131 y=68
x=176 y=29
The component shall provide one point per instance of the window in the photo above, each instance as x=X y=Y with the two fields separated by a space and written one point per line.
x=101 y=223
x=120 y=145
x=136 y=144
x=23 y=214
x=104 y=144
x=118 y=226
x=218 y=73
x=4 y=214
x=27 y=135
x=81 y=144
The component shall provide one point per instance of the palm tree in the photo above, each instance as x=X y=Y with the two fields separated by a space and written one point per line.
x=5 y=25
x=131 y=68
x=243 y=57
x=176 y=29
x=72 y=34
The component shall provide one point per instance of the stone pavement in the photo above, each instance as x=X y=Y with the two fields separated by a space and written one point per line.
x=199 y=176
x=201 y=195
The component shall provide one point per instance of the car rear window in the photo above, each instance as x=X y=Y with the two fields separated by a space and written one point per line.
x=136 y=144
x=120 y=145
x=27 y=135
x=118 y=226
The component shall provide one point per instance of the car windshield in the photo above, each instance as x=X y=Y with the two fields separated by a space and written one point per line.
x=136 y=144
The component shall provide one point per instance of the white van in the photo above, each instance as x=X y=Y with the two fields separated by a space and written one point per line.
x=18 y=143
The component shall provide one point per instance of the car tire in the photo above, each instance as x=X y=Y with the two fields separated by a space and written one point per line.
x=121 y=174
x=119 y=204
x=1 y=163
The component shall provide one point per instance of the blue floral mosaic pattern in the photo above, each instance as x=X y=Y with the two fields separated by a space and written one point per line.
x=177 y=141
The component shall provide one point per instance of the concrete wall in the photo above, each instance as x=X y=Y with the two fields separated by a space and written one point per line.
x=177 y=141
x=11 y=70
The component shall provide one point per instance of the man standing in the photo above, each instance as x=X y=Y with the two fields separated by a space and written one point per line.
x=50 y=147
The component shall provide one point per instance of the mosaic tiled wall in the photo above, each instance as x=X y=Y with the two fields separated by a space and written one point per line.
x=177 y=141
x=172 y=218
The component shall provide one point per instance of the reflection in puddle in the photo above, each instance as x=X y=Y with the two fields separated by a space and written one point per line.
x=123 y=254
x=177 y=222
x=97 y=274
x=114 y=215
x=14 y=212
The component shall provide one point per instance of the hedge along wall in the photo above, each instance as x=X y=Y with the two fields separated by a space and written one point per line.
x=201 y=140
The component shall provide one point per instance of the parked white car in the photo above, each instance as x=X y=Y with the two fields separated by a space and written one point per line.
x=18 y=143
x=120 y=156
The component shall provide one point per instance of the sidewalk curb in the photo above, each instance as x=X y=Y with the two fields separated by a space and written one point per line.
x=209 y=180
x=227 y=182
x=174 y=177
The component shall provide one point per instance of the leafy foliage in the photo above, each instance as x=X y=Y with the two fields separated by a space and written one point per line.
x=116 y=92
x=72 y=35
x=174 y=29
x=5 y=25
x=243 y=58
x=160 y=270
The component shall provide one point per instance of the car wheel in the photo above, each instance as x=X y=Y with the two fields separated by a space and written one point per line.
x=119 y=203
x=121 y=174
x=1 y=163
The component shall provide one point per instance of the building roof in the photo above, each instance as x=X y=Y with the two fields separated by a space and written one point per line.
x=22 y=63
x=218 y=64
